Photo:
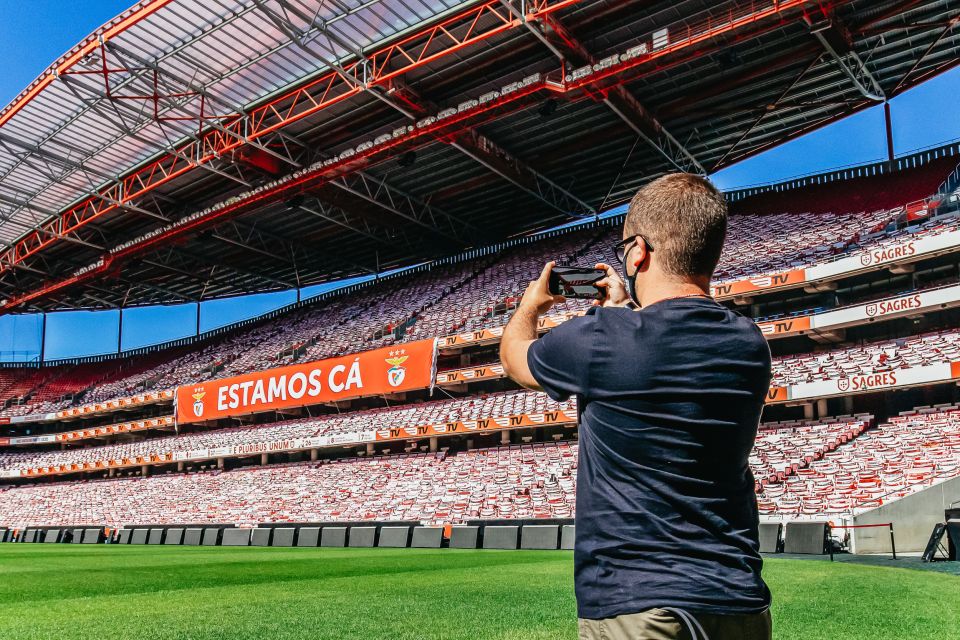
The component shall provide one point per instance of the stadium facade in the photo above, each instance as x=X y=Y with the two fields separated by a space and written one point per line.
x=143 y=168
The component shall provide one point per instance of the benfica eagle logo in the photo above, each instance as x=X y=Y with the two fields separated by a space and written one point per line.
x=396 y=373
x=198 y=396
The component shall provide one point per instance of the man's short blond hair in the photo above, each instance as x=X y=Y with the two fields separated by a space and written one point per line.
x=684 y=218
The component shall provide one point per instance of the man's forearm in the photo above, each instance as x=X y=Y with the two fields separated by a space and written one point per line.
x=521 y=331
x=522 y=326
x=517 y=337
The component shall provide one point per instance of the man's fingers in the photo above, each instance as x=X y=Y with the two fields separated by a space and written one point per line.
x=611 y=272
x=547 y=268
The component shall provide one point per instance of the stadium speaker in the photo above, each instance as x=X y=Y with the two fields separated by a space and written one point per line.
x=770 y=533
x=953 y=538
x=236 y=538
x=333 y=537
x=548 y=108
x=500 y=537
x=568 y=536
x=362 y=537
x=192 y=536
x=464 y=537
x=396 y=537
x=283 y=537
x=308 y=537
x=539 y=536
x=261 y=537
x=93 y=536
x=427 y=538
x=174 y=536
x=806 y=537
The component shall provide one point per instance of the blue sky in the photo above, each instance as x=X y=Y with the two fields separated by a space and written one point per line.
x=33 y=33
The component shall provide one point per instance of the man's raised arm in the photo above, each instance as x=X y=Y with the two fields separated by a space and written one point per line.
x=521 y=331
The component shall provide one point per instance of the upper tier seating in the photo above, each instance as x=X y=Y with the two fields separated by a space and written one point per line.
x=16 y=383
x=868 y=193
x=470 y=295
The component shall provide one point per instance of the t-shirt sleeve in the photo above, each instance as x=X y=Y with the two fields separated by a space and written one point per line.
x=560 y=360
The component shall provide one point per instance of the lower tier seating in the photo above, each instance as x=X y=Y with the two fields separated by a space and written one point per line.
x=906 y=455
x=802 y=469
x=782 y=449
x=483 y=406
x=523 y=481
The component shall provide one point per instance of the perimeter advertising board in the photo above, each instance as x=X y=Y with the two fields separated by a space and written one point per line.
x=381 y=371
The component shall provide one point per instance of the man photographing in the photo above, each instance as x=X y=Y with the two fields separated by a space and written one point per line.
x=670 y=386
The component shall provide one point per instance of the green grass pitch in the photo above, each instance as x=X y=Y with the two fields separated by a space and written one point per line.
x=100 y=592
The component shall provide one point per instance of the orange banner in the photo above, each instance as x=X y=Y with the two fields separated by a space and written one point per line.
x=110 y=405
x=471 y=374
x=481 y=336
x=955 y=369
x=123 y=427
x=547 y=418
x=371 y=373
x=759 y=283
x=777 y=394
x=786 y=326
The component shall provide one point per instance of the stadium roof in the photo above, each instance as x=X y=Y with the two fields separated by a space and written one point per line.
x=192 y=150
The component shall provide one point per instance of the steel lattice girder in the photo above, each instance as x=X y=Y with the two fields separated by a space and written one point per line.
x=621 y=102
x=748 y=21
x=449 y=36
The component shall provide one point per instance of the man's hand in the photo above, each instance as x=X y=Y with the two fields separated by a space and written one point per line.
x=538 y=296
x=615 y=292
x=521 y=331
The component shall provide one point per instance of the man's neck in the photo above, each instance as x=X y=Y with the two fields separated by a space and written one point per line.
x=671 y=288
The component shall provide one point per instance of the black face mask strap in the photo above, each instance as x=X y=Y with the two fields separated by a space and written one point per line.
x=631 y=281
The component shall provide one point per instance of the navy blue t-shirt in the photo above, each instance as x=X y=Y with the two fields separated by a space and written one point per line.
x=669 y=398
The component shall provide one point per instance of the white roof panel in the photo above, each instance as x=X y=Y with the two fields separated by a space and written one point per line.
x=232 y=51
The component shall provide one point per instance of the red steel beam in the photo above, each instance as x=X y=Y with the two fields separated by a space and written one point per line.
x=691 y=37
x=419 y=136
x=465 y=29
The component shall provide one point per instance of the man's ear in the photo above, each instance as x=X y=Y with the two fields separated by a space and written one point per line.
x=641 y=255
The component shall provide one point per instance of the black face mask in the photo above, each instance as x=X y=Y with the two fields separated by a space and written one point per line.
x=631 y=281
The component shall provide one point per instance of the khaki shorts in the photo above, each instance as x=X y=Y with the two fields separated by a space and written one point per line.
x=658 y=624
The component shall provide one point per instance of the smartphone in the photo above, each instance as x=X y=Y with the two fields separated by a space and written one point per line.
x=576 y=282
